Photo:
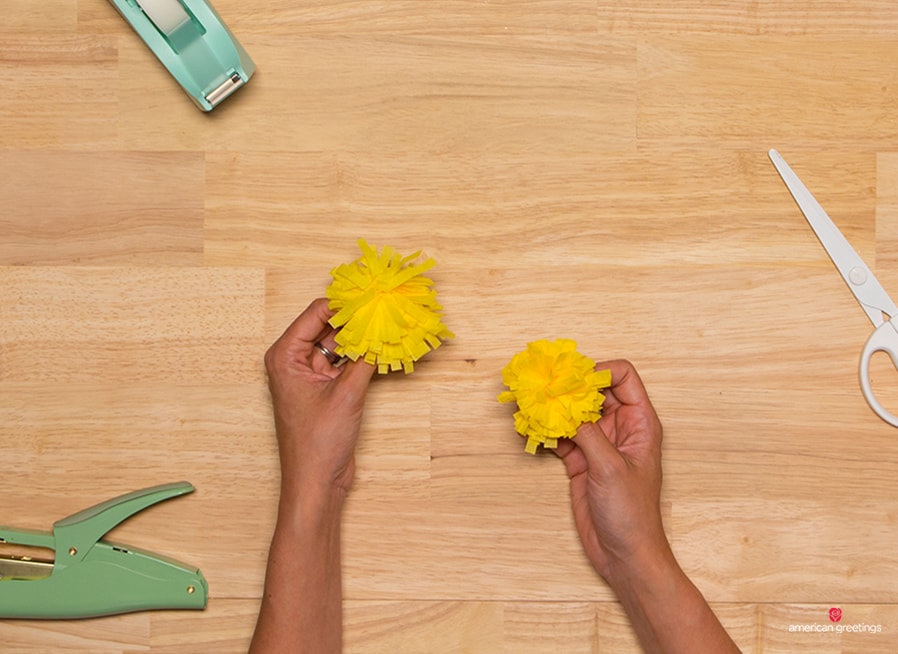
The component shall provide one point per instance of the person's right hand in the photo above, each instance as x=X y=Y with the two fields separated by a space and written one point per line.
x=615 y=470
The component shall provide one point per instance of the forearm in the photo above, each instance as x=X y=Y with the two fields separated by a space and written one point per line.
x=667 y=611
x=302 y=601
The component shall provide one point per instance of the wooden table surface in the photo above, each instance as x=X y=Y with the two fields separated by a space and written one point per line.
x=588 y=169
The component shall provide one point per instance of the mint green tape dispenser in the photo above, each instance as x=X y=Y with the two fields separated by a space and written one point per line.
x=90 y=577
x=193 y=43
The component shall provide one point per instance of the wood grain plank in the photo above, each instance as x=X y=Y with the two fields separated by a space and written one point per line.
x=827 y=18
x=388 y=94
x=54 y=16
x=569 y=627
x=225 y=626
x=109 y=208
x=887 y=219
x=706 y=89
x=364 y=18
x=423 y=627
x=455 y=17
x=112 y=635
x=61 y=91
x=186 y=325
x=632 y=210
x=719 y=542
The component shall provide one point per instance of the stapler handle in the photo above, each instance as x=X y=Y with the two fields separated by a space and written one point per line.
x=79 y=532
x=27 y=537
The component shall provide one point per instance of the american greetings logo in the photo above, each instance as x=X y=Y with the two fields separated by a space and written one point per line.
x=835 y=626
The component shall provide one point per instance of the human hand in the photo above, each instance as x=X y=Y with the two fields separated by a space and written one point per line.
x=317 y=406
x=615 y=470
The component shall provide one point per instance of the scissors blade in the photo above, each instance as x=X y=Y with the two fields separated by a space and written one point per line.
x=860 y=279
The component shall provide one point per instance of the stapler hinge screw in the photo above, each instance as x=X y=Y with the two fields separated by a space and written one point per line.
x=191 y=590
x=73 y=551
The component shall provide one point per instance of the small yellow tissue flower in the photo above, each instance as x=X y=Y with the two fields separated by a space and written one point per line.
x=556 y=389
x=387 y=312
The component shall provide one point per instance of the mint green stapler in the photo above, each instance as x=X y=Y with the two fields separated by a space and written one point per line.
x=193 y=43
x=90 y=577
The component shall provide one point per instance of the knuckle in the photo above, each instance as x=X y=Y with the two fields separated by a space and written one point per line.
x=274 y=359
x=270 y=358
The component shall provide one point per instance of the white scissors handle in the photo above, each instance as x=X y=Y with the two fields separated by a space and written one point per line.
x=883 y=339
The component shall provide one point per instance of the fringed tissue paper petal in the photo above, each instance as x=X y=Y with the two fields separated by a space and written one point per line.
x=387 y=311
x=556 y=388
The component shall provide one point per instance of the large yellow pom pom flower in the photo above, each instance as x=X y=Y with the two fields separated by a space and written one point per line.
x=556 y=388
x=387 y=312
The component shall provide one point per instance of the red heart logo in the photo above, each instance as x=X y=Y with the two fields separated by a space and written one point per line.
x=835 y=615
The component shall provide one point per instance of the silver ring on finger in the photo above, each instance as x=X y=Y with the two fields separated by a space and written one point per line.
x=335 y=359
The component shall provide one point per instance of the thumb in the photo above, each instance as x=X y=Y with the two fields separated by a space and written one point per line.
x=600 y=454
x=356 y=376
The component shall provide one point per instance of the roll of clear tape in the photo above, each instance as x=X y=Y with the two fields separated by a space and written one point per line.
x=167 y=15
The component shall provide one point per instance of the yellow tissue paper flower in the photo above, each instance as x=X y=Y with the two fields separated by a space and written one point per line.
x=387 y=311
x=556 y=389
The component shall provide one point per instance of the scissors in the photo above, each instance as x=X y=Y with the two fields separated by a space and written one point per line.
x=860 y=280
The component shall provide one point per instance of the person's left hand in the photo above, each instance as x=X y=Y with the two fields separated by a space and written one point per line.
x=317 y=406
